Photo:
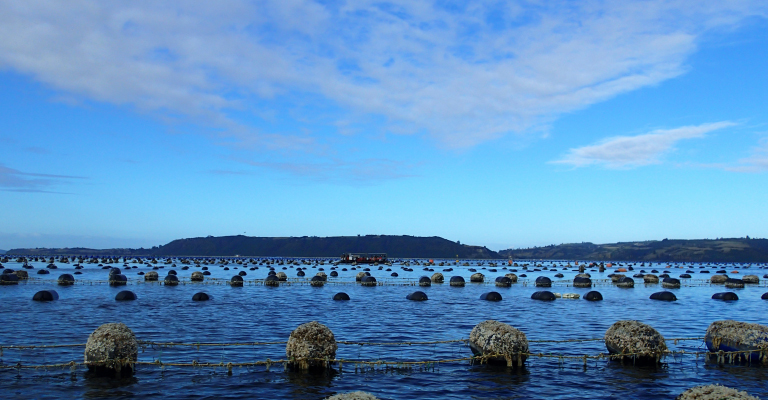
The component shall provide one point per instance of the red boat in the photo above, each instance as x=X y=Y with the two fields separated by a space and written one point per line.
x=363 y=258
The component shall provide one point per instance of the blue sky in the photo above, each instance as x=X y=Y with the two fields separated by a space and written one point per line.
x=505 y=124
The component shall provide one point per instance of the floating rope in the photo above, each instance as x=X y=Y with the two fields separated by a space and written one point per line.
x=146 y=343
x=721 y=356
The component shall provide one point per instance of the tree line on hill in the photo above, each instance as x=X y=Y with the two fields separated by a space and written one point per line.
x=697 y=250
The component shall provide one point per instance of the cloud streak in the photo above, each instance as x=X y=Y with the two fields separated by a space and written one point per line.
x=462 y=75
x=13 y=180
x=636 y=151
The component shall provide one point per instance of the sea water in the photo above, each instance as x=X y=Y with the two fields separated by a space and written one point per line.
x=257 y=313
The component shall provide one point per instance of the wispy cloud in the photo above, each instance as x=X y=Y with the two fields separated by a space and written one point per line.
x=636 y=151
x=463 y=74
x=13 y=180
x=358 y=172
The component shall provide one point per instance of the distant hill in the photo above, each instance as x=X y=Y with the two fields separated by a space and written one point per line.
x=2 y=251
x=306 y=246
x=701 y=250
x=78 y=251
x=312 y=246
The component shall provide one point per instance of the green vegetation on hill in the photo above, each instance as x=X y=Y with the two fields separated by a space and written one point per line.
x=701 y=250
x=310 y=246
x=306 y=246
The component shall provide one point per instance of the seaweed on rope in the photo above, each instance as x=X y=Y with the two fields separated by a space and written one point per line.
x=147 y=343
x=722 y=357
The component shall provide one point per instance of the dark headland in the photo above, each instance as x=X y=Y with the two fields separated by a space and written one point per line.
x=700 y=250
x=697 y=250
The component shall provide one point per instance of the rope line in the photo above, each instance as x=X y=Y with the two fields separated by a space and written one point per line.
x=722 y=358
x=147 y=343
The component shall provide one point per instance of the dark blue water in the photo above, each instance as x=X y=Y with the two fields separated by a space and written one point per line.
x=375 y=314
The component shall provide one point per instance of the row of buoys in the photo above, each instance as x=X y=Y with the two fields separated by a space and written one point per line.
x=112 y=348
x=50 y=295
x=581 y=280
x=125 y=295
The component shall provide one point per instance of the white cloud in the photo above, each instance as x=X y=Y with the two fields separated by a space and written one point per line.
x=463 y=76
x=636 y=151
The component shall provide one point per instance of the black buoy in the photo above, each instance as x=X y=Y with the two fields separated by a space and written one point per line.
x=456 y=281
x=368 y=281
x=317 y=281
x=236 y=280
x=46 y=295
x=171 y=280
x=491 y=296
x=341 y=296
x=544 y=295
x=42 y=272
x=543 y=281
x=764 y=296
x=201 y=296
x=503 y=281
x=242 y=273
x=664 y=296
x=417 y=296
x=334 y=274
x=581 y=281
x=394 y=274
x=734 y=283
x=626 y=282
x=171 y=272
x=670 y=282
x=685 y=276
x=114 y=271
x=725 y=296
x=118 y=280
x=593 y=296
x=9 y=279
x=425 y=281
x=126 y=295
x=66 y=280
